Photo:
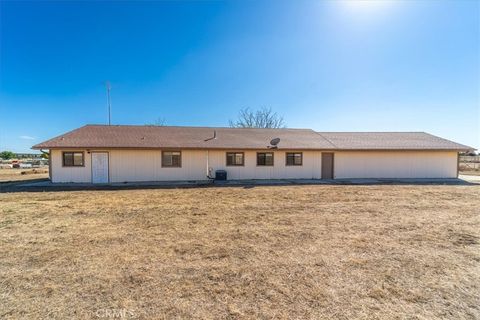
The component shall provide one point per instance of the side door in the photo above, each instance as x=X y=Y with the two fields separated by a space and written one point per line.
x=100 y=167
x=327 y=165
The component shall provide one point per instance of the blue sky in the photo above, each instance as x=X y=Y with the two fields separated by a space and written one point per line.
x=330 y=66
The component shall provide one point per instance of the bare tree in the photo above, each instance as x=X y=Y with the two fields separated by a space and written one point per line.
x=160 y=122
x=263 y=118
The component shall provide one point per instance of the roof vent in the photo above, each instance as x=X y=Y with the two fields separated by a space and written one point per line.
x=214 y=136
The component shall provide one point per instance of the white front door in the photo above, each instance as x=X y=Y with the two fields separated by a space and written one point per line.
x=100 y=167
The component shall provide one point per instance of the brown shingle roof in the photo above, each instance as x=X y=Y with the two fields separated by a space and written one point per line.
x=100 y=136
x=390 y=141
x=144 y=137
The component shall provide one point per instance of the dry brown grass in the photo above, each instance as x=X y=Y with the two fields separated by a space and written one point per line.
x=7 y=175
x=470 y=172
x=340 y=252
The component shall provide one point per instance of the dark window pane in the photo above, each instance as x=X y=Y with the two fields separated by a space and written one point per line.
x=230 y=159
x=260 y=159
x=68 y=159
x=175 y=160
x=265 y=159
x=294 y=159
x=289 y=159
x=167 y=159
x=73 y=159
x=234 y=159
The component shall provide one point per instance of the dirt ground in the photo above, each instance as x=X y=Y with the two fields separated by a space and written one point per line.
x=7 y=175
x=310 y=252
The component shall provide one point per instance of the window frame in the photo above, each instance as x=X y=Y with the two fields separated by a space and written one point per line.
x=235 y=153
x=266 y=165
x=73 y=159
x=172 y=166
x=294 y=164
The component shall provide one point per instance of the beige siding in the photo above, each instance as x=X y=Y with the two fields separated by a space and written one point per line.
x=309 y=170
x=132 y=165
x=145 y=165
x=395 y=164
x=70 y=174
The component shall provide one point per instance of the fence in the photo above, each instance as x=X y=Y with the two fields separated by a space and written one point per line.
x=469 y=163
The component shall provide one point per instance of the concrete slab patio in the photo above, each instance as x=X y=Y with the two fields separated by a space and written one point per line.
x=470 y=178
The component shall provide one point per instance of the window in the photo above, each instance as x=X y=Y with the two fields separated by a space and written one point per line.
x=294 y=159
x=171 y=159
x=73 y=159
x=264 y=158
x=235 y=159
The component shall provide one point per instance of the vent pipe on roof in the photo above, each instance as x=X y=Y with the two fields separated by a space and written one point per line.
x=214 y=136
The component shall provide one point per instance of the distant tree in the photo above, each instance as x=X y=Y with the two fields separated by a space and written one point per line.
x=469 y=153
x=160 y=122
x=263 y=118
x=7 y=155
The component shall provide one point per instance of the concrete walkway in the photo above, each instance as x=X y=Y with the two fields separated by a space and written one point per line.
x=471 y=179
x=46 y=185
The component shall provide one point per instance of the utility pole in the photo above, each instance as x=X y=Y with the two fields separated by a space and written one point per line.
x=109 y=102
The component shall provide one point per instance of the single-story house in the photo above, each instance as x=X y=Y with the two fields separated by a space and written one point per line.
x=124 y=153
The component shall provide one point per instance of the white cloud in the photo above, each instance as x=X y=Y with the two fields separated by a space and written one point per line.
x=27 y=138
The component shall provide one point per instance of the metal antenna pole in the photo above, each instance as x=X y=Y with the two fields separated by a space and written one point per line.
x=109 y=102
